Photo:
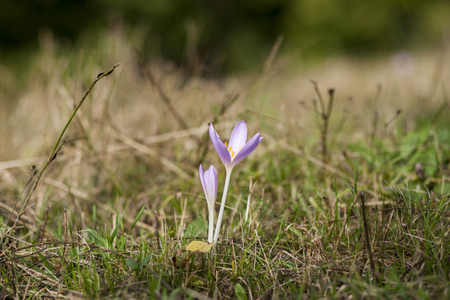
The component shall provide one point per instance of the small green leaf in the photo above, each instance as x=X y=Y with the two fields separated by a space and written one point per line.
x=134 y=265
x=144 y=261
x=123 y=240
x=97 y=239
x=141 y=211
x=240 y=292
x=196 y=228
x=114 y=233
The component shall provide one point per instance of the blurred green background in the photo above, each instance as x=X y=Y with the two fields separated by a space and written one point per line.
x=230 y=36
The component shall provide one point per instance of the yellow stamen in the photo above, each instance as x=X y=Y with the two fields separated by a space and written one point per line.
x=231 y=151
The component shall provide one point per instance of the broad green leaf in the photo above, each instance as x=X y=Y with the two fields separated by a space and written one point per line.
x=240 y=292
x=134 y=265
x=196 y=228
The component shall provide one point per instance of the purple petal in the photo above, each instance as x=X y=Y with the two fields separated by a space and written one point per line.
x=248 y=148
x=211 y=184
x=202 y=178
x=238 y=137
x=219 y=146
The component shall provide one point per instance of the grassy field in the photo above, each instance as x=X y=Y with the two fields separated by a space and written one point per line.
x=348 y=192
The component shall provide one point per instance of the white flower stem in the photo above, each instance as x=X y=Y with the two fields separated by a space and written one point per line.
x=222 y=205
x=211 y=222
x=248 y=208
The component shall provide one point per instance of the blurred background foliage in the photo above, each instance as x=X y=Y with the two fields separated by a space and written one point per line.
x=234 y=35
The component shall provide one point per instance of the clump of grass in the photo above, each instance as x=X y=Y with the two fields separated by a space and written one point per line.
x=120 y=201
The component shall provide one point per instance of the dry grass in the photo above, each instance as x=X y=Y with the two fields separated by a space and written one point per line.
x=83 y=233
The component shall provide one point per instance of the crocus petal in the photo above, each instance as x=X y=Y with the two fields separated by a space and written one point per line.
x=211 y=185
x=219 y=146
x=247 y=149
x=215 y=184
x=202 y=178
x=238 y=137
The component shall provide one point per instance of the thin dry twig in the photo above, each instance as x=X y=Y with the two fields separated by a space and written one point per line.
x=204 y=144
x=59 y=145
x=366 y=233
x=324 y=113
x=17 y=163
x=158 y=237
x=152 y=153
x=162 y=94
x=273 y=52
x=91 y=246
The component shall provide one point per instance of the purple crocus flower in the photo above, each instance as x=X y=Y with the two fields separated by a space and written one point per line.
x=209 y=183
x=238 y=148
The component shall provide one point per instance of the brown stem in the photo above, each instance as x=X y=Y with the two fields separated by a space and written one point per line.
x=58 y=145
x=366 y=233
